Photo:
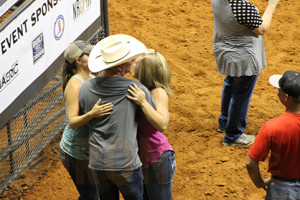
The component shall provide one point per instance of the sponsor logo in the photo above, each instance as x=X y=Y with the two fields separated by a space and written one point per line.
x=9 y=75
x=80 y=7
x=38 y=48
x=59 y=27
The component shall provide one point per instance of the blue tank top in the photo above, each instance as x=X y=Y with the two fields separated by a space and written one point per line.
x=75 y=142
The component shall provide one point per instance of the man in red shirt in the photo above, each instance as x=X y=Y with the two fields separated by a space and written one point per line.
x=281 y=137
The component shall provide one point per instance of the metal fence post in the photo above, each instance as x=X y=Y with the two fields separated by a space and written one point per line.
x=26 y=124
x=11 y=159
x=105 y=14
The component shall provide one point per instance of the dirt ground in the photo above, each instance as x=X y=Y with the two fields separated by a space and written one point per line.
x=182 y=31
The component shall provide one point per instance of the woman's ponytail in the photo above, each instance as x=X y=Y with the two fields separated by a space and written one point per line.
x=68 y=70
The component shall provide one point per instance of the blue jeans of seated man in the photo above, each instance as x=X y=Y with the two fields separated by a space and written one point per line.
x=129 y=183
x=158 y=178
x=282 y=190
x=81 y=176
x=236 y=96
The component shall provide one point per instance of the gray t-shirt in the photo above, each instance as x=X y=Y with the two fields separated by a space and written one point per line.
x=113 y=144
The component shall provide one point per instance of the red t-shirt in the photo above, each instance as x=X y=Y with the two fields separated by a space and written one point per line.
x=281 y=135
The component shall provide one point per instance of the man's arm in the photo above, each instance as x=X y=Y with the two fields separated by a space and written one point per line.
x=254 y=173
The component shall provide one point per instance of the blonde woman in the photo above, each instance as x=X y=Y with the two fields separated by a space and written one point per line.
x=74 y=151
x=156 y=154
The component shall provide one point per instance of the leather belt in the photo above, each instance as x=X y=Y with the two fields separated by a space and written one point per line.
x=286 y=179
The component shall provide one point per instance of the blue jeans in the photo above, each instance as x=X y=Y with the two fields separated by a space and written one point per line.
x=282 y=190
x=129 y=183
x=158 y=178
x=81 y=176
x=236 y=96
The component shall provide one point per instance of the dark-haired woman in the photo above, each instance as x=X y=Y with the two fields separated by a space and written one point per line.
x=74 y=151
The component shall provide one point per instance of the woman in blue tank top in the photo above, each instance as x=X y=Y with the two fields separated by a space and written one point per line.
x=74 y=151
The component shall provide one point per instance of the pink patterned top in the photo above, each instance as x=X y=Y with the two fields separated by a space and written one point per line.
x=152 y=143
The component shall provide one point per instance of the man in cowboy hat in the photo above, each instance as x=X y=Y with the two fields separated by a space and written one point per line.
x=113 y=146
x=280 y=136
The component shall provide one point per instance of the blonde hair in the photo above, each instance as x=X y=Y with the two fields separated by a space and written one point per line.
x=154 y=71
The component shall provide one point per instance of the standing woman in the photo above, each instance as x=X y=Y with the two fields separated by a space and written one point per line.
x=74 y=151
x=240 y=55
x=156 y=154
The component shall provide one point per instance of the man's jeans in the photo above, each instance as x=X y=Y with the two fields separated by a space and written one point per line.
x=158 y=178
x=236 y=96
x=81 y=176
x=282 y=190
x=129 y=183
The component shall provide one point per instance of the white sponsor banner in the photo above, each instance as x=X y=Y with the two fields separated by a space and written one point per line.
x=5 y=5
x=33 y=40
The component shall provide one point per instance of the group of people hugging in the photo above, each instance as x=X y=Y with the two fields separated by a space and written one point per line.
x=114 y=143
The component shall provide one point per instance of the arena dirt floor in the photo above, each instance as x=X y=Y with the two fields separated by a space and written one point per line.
x=182 y=31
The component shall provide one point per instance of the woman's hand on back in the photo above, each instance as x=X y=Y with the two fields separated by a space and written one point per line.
x=137 y=94
x=101 y=110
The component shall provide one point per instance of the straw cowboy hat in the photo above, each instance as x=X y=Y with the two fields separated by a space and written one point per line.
x=113 y=51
